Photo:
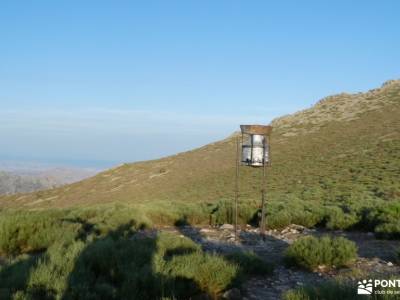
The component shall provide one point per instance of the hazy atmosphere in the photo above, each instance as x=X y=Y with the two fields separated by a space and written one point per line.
x=91 y=83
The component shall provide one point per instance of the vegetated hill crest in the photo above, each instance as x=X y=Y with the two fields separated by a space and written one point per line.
x=340 y=107
x=344 y=145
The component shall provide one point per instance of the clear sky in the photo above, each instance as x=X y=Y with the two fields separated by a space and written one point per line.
x=104 y=82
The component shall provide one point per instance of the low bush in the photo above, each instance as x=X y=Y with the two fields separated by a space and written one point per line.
x=278 y=220
x=148 y=268
x=54 y=267
x=388 y=213
x=332 y=290
x=384 y=220
x=310 y=252
x=327 y=291
x=32 y=231
x=293 y=211
x=24 y=231
x=250 y=263
x=173 y=213
x=388 y=230
x=13 y=275
x=119 y=265
x=104 y=219
x=208 y=273
x=336 y=218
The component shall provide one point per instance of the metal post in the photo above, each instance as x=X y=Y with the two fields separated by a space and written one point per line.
x=262 y=225
x=269 y=151
x=237 y=184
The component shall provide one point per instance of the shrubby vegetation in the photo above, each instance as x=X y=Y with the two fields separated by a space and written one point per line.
x=309 y=252
x=370 y=215
x=327 y=291
x=333 y=290
x=250 y=263
x=386 y=220
x=98 y=253
x=24 y=231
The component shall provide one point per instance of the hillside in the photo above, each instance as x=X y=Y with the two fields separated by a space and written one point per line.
x=31 y=180
x=12 y=183
x=346 y=147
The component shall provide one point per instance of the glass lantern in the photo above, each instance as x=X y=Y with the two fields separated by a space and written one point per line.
x=255 y=150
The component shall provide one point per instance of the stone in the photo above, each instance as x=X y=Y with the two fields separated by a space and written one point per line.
x=232 y=294
x=321 y=268
x=227 y=227
x=390 y=264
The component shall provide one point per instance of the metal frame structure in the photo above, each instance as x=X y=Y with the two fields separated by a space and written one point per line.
x=251 y=131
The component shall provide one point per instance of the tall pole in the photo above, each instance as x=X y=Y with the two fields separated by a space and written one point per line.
x=262 y=225
x=237 y=184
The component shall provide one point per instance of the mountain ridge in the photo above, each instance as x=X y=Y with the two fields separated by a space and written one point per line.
x=312 y=150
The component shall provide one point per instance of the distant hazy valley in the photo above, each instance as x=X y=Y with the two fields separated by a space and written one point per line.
x=20 y=178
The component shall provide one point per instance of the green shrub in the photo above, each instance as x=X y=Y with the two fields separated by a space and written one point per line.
x=388 y=230
x=293 y=211
x=389 y=213
x=332 y=290
x=327 y=291
x=336 y=218
x=307 y=218
x=309 y=252
x=211 y=273
x=52 y=269
x=182 y=258
x=25 y=231
x=278 y=220
x=385 y=220
x=221 y=212
x=171 y=213
x=90 y=254
x=14 y=275
x=101 y=220
x=250 y=263
x=122 y=267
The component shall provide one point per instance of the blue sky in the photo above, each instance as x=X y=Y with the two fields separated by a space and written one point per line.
x=104 y=82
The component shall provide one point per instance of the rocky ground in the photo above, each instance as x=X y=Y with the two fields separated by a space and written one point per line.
x=377 y=258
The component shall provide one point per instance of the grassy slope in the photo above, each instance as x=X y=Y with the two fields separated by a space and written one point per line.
x=345 y=147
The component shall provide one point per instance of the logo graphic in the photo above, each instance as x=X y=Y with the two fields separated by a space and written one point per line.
x=364 y=287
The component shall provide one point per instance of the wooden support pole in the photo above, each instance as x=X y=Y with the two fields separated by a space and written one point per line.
x=263 y=196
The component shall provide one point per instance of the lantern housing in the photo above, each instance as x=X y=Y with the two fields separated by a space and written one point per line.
x=255 y=150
